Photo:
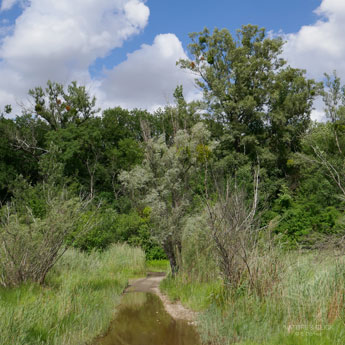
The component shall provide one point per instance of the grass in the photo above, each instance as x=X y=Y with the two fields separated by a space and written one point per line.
x=76 y=304
x=304 y=306
x=157 y=265
x=194 y=295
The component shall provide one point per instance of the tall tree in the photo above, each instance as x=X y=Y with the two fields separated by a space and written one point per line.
x=257 y=105
x=59 y=106
x=325 y=144
x=165 y=182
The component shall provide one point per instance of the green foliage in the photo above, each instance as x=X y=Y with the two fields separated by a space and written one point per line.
x=59 y=107
x=76 y=304
x=16 y=156
x=26 y=196
x=256 y=105
x=31 y=244
x=157 y=265
x=180 y=116
x=199 y=260
x=163 y=182
x=112 y=227
x=309 y=214
x=304 y=306
x=94 y=152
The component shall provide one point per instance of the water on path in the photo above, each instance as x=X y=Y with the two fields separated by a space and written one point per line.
x=142 y=320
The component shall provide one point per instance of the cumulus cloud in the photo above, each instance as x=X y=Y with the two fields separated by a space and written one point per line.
x=320 y=47
x=149 y=76
x=59 y=40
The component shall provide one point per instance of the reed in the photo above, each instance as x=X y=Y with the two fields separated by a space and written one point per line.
x=76 y=304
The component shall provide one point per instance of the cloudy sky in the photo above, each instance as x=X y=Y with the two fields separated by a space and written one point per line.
x=125 y=50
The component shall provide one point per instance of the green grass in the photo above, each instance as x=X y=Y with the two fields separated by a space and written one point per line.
x=304 y=306
x=76 y=304
x=193 y=295
x=157 y=265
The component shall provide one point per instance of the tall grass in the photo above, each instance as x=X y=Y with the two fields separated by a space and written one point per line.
x=157 y=265
x=301 y=303
x=76 y=304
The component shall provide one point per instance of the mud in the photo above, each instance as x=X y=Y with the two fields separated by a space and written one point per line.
x=151 y=284
x=143 y=319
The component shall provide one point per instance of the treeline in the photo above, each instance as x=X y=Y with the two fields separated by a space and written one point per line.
x=244 y=161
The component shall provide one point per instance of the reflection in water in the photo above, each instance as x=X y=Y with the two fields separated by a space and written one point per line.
x=142 y=320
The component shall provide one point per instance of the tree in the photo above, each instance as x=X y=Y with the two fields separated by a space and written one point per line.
x=325 y=144
x=181 y=115
x=20 y=141
x=165 y=181
x=59 y=107
x=334 y=100
x=28 y=137
x=257 y=105
x=233 y=223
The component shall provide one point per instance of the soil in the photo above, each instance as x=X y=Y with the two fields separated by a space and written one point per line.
x=151 y=284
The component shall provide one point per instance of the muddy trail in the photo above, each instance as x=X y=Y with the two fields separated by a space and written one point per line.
x=146 y=317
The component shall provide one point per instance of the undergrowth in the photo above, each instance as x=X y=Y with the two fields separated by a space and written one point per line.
x=303 y=305
x=76 y=304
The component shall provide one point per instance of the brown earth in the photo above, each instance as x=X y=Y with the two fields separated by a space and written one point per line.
x=151 y=284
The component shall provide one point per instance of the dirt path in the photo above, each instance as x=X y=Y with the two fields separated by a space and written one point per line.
x=151 y=284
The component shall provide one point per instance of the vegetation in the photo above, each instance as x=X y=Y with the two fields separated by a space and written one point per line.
x=240 y=192
x=77 y=302
x=301 y=304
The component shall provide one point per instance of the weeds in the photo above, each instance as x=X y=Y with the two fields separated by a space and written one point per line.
x=77 y=302
x=302 y=304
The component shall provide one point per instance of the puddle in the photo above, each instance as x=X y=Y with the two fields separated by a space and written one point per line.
x=142 y=320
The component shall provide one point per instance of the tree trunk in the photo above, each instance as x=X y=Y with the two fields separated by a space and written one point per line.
x=170 y=252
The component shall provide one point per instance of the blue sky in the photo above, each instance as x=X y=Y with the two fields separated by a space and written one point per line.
x=183 y=17
x=125 y=51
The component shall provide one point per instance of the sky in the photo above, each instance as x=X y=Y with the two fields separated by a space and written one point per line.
x=125 y=51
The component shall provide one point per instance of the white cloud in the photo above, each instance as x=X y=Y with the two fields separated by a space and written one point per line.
x=59 y=40
x=7 y=4
x=320 y=47
x=137 y=12
x=318 y=113
x=148 y=77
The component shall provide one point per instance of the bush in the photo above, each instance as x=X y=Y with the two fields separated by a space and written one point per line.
x=306 y=215
x=31 y=246
x=112 y=227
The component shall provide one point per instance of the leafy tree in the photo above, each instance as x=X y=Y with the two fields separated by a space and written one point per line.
x=324 y=146
x=60 y=107
x=181 y=115
x=257 y=105
x=164 y=183
x=18 y=152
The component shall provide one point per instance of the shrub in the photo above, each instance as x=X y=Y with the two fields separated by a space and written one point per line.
x=30 y=246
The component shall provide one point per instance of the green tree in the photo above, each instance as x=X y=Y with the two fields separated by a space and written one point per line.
x=60 y=107
x=257 y=105
x=35 y=225
x=165 y=182
x=20 y=141
x=324 y=146
x=181 y=115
